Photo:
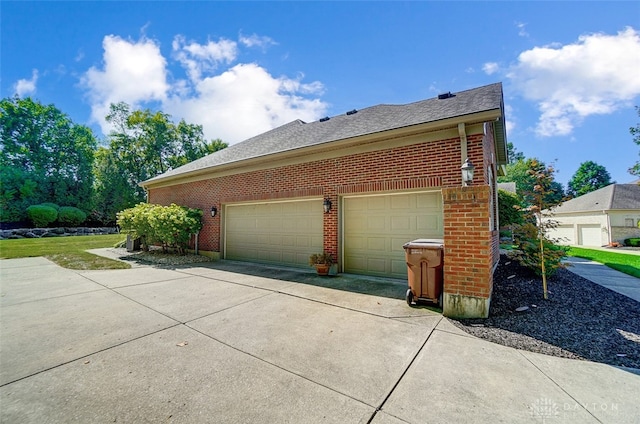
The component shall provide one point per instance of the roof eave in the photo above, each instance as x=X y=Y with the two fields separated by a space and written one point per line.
x=478 y=117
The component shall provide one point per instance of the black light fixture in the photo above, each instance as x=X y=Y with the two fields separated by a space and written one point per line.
x=467 y=173
x=326 y=205
x=214 y=211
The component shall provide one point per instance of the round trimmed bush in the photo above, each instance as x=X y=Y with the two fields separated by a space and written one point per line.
x=51 y=205
x=41 y=216
x=71 y=216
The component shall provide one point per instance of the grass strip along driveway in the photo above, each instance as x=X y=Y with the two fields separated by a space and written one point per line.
x=68 y=252
x=629 y=264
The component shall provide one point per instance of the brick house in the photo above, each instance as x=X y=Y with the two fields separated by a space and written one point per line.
x=392 y=173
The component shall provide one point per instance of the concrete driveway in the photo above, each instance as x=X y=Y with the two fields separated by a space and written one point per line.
x=236 y=343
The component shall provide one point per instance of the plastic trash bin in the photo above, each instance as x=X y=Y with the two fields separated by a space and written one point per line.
x=425 y=260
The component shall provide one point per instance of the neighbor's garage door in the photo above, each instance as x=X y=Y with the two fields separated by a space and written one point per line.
x=564 y=234
x=278 y=232
x=590 y=235
x=376 y=227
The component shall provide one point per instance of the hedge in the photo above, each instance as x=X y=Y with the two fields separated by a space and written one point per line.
x=71 y=216
x=41 y=215
x=169 y=226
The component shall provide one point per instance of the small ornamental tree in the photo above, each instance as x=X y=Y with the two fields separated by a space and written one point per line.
x=536 y=250
x=169 y=226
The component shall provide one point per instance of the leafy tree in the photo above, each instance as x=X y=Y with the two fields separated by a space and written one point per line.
x=518 y=172
x=513 y=153
x=142 y=145
x=635 y=134
x=589 y=177
x=509 y=205
x=113 y=191
x=536 y=250
x=45 y=157
x=17 y=193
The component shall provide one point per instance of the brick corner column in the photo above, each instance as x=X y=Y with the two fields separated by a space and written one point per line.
x=468 y=256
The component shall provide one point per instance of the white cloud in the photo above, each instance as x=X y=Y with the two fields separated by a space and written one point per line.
x=26 y=87
x=510 y=119
x=490 y=68
x=198 y=58
x=596 y=75
x=133 y=72
x=522 y=32
x=255 y=40
x=231 y=101
x=245 y=101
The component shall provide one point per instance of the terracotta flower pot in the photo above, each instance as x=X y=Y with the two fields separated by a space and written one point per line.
x=322 y=269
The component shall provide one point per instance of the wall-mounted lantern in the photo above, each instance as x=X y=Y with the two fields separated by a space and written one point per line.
x=326 y=205
x=214 y=211
x=467 y=173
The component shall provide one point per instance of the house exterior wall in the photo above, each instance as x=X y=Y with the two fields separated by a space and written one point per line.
x=620 y=228
x=576 y=221
x=471 y=242
x=614 y=222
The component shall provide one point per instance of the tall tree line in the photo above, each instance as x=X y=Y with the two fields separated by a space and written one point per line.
x=45 y=157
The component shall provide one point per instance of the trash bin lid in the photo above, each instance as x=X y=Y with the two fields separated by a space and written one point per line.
x=425 y=243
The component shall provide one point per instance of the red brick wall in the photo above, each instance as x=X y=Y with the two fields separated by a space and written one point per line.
x=470 y=245
x=468 y=241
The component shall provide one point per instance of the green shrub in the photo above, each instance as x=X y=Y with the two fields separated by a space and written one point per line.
x=527 y=239
x=509 y=209
x=71 y=216
x=170 y=226
x=41 y=216
x=51 y=205
x=634 y=241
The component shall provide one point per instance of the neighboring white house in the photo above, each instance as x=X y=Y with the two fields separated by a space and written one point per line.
x=607 y=215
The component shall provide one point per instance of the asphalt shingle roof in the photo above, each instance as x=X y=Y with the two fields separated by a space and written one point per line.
x=611 y=197
x=371 y=120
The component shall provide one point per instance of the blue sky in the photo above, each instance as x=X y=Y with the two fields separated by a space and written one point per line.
x=570 y=70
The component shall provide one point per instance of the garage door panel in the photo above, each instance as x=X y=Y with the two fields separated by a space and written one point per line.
x=279 y=232
x=564 y=234
x=376 y=227
x=402 y=202
x=428 y=223
x=590 y=235
x=378 y=244
x=432 y=201
x=401 y=222
x=399 y=267
x=375 y=203
x=377 y=264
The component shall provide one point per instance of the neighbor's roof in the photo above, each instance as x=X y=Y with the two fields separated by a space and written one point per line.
x=375 y=119
x=611 y=197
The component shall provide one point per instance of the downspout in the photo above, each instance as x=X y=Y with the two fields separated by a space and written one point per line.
x=462 y=131
x=608 y=227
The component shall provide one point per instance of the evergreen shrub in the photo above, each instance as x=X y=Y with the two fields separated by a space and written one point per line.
x=71 y=216
x=41 y=215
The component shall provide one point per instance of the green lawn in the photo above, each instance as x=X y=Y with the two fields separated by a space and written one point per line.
x=68 y=252
x=629 y=264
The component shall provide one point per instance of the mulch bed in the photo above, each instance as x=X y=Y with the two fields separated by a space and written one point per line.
x=580 y=320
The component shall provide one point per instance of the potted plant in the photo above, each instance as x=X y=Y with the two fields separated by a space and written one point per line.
x=322 y=262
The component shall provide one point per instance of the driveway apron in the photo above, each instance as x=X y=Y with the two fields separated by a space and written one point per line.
x=206 y=344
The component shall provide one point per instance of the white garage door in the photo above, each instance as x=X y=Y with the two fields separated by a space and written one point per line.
x=376 y=227
x=277 y=232
x=564 y=234
x=590 y=235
